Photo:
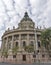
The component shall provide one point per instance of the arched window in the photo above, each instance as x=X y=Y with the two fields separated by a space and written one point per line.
x=9 y=45
x=24 y=43
x=32 y=43
x=38 y=43
x=16 y=44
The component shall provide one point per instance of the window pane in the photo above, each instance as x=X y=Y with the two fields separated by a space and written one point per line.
x=34 y=56
x=14 y=56
x=38 y=44
x=16 y=44
x=24 y=43
x=43 y=55
x=32 y=44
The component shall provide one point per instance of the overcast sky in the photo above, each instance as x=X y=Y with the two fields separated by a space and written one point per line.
x=11 y=12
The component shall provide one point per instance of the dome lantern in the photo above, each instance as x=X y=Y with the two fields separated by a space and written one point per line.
x=26 y=15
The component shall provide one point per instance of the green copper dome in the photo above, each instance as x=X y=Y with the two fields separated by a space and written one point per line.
x=26 y=23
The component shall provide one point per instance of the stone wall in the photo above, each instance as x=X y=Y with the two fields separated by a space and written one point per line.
x=29 y=58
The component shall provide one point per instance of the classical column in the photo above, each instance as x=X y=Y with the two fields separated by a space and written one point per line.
x=12 y=44
x=7 y=43
x=2 y=45
x=28 y=41
x=36 y=40
x=19 y=42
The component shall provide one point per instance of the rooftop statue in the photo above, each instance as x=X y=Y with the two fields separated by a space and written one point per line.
x=26 y=15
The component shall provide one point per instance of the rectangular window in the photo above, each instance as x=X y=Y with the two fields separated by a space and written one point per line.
x=9 y=38
x=24 y=57
x=14 y=56
x=24 y=36
x=31 y=36
x=50 y=56
x=34 y=56
x=16 y=37
x=43 y=55
x=6 y=56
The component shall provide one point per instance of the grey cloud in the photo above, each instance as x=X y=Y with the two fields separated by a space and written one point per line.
x=13 y=11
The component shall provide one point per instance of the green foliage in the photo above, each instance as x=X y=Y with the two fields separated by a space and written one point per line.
x=46 y=38
x=5 y=53
x=15 y=49
x=29 y=48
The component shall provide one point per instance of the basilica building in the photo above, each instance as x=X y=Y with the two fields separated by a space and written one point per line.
x=23 y=44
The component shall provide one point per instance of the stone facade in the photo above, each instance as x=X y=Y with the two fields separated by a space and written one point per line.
x=25 y=34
